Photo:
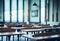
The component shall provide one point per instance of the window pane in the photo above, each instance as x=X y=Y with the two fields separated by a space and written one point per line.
x=42 y=10
x=20 y=10
x=7 y=10
x=25 y=10
x=14 y=10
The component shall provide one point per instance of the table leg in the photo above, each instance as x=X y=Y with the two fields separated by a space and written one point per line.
x=27 y=33
x=34 y=32
x=18 y=37
x=38 y=32
x=2 y=38
x=27 y=38
x=9 y=37
x=13 y=37
x=6 y=38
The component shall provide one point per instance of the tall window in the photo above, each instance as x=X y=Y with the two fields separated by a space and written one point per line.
x=7 y=10
x=13 y=16
x=20 y=10
x=42 y=10
x=14 y=11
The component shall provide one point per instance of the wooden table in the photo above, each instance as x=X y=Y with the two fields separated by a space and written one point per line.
x=18 y=27
x=34 y=29
x=31 y=30
x=37 y=27
x=43 y=37
x=26 y=29
x=10 y=34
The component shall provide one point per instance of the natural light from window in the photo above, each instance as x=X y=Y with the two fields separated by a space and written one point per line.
x=7 y=10
x=20 y=11
x=13 y=16
x=14 y=10
x=42 y=10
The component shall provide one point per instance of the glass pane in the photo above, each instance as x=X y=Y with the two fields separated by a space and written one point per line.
x=14 y=10
x=25 y=10
x=7 y=10
x=20 y=10
x=42 y=10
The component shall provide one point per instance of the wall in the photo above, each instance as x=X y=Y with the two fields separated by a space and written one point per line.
x=34 y=19
x=52 y=10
